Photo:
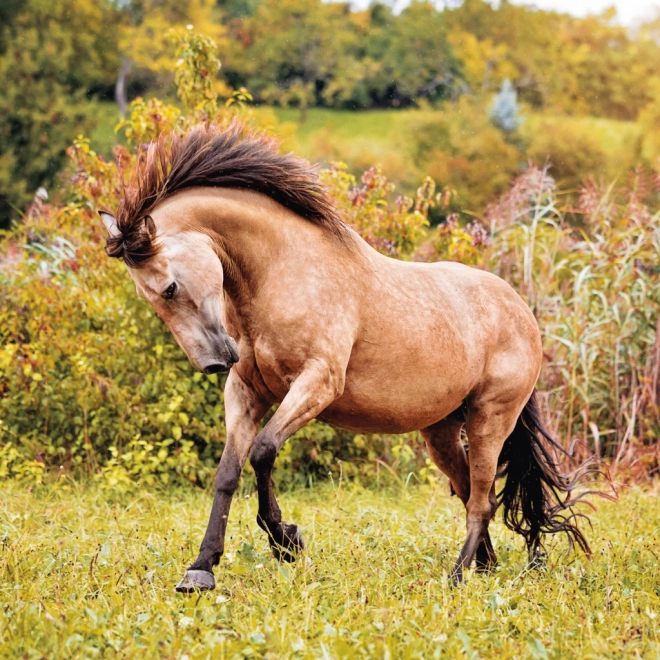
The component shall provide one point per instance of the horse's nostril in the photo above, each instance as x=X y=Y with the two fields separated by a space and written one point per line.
x=214 y=368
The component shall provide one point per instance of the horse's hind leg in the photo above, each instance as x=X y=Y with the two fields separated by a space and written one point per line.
x=443 y=440
x=488 y=425
x=310 y=393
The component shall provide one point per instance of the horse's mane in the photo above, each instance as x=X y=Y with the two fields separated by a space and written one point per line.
x=213 y=156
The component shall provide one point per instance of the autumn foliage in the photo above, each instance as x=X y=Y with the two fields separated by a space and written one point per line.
x=91 y=382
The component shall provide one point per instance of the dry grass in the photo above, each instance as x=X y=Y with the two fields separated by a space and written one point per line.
x=84 y=577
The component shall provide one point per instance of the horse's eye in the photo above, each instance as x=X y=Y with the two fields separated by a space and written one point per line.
x=168 y=294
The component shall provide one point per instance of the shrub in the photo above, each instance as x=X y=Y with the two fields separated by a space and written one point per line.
x=463 y=150
x=504 y=111
x=572 y=151
x=91 y=380
x=92 y=383
x=596 y=294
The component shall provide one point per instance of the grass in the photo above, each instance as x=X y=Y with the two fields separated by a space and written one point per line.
x=87 y=574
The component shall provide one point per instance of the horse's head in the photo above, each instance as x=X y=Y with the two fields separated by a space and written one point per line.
x=182 y=280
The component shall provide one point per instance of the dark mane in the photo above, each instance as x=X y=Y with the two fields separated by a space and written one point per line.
x=212 y=156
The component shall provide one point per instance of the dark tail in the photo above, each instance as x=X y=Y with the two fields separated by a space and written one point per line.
x=536 y=498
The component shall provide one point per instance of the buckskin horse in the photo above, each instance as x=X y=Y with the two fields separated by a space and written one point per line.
x=244 y=255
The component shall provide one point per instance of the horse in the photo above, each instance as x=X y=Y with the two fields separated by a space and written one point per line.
x=244 y=255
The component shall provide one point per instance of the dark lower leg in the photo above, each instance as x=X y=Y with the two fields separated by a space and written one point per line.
x=485 y=558
x=213 y=545
x=486 y=433
x=481 y=508
x=476 y=535
x=284 y=538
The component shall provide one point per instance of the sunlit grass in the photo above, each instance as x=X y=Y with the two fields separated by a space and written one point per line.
x=87 y=575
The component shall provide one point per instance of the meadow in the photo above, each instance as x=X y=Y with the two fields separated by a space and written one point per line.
x=109 y=438
x=88 y=574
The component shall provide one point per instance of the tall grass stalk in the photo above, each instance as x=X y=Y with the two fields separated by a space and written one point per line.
x=594 y=286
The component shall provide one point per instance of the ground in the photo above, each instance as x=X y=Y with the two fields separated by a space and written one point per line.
x=87 y=573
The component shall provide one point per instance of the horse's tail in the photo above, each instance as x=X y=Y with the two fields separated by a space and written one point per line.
x=536 y=498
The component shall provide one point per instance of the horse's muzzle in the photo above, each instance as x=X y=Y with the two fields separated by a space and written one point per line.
x=229 y=359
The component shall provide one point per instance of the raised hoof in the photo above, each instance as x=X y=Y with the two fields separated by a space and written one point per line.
x=195 y=580
x=290 y=546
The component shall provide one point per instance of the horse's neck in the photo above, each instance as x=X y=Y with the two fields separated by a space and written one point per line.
x=253 y=236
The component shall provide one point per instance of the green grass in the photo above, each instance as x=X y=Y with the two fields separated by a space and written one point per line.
x=85 y=577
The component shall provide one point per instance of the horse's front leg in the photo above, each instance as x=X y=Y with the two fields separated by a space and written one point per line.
x=309 y=395
x=243 y=412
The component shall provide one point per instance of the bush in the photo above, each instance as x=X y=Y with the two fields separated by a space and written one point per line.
x=462 y=149
x=92 y=383
x=571 y=150
x=91 y=380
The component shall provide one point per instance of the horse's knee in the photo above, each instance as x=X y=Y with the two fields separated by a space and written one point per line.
x=480 y=511
x=263 y=454
x=227 y=478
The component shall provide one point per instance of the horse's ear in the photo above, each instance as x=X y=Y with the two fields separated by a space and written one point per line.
x=150 y=226
x=110 y=223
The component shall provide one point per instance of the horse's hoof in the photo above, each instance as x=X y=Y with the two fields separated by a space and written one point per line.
x=292 y=544
x=538 y=560
x=456 y=577
x=195 y=580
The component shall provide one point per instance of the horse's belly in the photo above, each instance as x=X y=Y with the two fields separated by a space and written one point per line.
x=394 y=404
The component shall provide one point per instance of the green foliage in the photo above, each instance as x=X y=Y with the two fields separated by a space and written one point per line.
x=91 y=377
x=395 y=230
x=461 y=148
x=572 y=153
x=92 y=381
x=49 y=62
x=196 y=67
x=305 y=53
x=85 y=574
x=649 y=120
x=596 y=295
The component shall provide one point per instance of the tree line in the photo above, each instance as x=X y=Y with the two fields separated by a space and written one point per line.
x=58 y=55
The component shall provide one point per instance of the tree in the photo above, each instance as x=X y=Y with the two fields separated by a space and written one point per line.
x=504 y=111
x=293 y=50
x=417 y=57
x=54 y=56
x=144 y=38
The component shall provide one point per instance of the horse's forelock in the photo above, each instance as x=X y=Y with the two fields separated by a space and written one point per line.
x=135 y=243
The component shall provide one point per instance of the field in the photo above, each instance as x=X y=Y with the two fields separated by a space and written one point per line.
x=87 y=575
x=384 y=137
x=514 y=140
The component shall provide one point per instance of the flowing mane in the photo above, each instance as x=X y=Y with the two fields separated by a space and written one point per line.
x=213 y=156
